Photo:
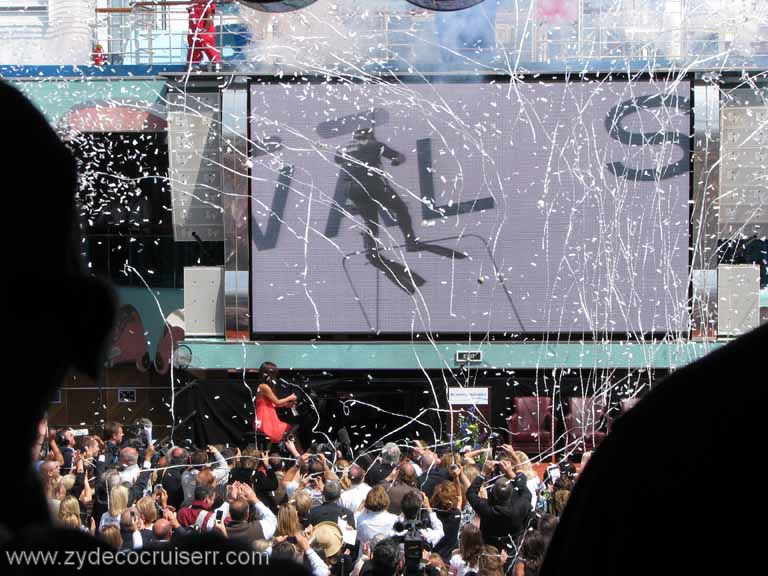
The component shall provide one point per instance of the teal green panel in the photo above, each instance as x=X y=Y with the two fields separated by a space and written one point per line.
x=55 y=97
x=208 y=354
x=153 y=306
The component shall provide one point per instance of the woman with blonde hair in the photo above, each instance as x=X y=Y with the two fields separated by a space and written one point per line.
x=147 y=510
x=70 y=521
x=56 y=492
x=111 y=535
x=69 y=505
x=287 y=520
x=491 y=562
x=436 y=561
x=118 y=503
x=532 y=478
x=303 y=502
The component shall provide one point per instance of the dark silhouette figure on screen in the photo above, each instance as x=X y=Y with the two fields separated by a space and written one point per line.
x=369 y=190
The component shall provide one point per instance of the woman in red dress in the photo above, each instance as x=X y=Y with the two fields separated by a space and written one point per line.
x=266 y=403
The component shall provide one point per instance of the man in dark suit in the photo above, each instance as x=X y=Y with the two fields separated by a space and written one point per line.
x=329 y=510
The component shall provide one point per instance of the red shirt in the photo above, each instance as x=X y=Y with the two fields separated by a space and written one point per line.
x=201 y=16
x=188 y=515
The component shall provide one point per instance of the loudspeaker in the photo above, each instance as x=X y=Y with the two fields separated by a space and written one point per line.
x=738 y=299
x=194 y=166
x=204 y=301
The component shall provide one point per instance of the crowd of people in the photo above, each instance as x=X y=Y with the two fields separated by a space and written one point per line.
x=484 y=511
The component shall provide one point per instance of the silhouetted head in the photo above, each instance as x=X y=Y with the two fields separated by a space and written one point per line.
x=50 y=289
x=364 y=134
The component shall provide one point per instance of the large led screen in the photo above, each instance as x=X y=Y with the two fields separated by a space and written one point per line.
x=545 y=206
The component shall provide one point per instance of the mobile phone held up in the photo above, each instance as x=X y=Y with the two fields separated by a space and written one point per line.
x=219 y=515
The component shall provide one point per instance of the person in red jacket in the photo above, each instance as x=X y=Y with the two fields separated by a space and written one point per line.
x=199 y=515
x=201 y=36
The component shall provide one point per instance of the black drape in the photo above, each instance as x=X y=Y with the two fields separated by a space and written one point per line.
x=215 y=412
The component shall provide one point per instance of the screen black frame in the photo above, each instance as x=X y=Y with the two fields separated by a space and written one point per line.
x=485 y=337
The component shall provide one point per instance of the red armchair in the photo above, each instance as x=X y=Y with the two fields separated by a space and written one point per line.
x=530 y=426
x=585 y=423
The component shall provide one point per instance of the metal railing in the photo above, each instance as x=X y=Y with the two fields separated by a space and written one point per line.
x=156 y=33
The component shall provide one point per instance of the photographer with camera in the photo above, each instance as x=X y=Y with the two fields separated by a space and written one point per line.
x=504 y=513
x=410 y=520
x=199 y=462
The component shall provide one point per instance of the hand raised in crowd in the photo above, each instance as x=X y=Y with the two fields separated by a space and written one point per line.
x=425 y=502
x=42 y=428
x=170 y=514
x=77 y=463
x=149 y=453
x=511 y=452
x=161 y=495
x=290 y=445
x=507 y=468
x=218 y=526
x=302 y=539
x=245 y=491
x=488 y=467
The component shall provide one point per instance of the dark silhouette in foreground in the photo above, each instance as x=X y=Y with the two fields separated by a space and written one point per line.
x=671 y=487
x=60 y=319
